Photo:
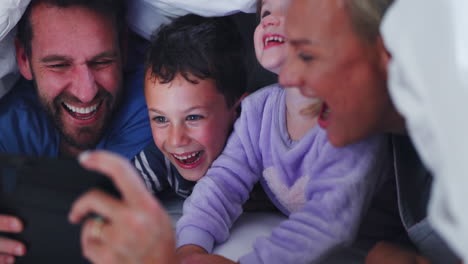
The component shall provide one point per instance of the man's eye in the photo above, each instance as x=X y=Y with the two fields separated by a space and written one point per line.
x=101 y=63
x=265 y=13
x=194 y=117
x=160 y=119
x=58 y=66
x=305 y=57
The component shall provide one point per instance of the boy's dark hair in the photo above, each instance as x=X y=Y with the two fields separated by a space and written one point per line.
x=200 y=47
x=112 y=9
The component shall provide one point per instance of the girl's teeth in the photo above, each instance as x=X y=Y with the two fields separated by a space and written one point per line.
x=274 y=38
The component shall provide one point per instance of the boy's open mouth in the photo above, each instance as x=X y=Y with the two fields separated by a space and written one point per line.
x=188 y=158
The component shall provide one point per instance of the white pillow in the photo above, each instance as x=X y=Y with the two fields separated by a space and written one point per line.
x=10 y=13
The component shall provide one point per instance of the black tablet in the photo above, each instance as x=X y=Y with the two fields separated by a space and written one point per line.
x=40 y=191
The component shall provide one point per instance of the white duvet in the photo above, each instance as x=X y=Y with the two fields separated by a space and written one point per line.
x=144 y=16
x=428 y=40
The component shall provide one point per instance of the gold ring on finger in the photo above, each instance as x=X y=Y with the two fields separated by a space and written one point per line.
x=97 y=226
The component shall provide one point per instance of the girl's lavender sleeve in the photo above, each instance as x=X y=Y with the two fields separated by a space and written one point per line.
x=217 y=199
x=340 y=185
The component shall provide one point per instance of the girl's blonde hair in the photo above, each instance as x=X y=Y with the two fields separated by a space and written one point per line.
x=312 y=109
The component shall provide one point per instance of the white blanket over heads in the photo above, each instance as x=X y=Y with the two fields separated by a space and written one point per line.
x=428 y=79
x=10 y=12
x=144 y=16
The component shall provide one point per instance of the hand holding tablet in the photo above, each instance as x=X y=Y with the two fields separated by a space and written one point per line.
x=40 y=192
x=136 y=228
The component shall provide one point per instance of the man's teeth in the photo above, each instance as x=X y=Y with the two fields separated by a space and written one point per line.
x=186 y=157
x=274 y=38
x=82 y=110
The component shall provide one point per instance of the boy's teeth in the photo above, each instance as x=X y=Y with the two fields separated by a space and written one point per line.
x=186 y=157
x=81 y=110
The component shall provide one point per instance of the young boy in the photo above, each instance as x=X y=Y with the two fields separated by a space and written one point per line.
x=195 y=78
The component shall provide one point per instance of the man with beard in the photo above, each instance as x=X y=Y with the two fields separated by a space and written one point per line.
x=73 y=96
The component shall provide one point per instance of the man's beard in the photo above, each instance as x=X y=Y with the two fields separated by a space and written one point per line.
x=55 y=110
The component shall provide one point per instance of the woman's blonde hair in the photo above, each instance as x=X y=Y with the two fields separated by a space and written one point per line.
x=366 y=16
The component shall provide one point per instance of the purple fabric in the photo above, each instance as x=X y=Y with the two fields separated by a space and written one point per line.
x=324 y=190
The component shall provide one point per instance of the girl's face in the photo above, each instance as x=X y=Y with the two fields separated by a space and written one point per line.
x=269 y=37
x=190 y=122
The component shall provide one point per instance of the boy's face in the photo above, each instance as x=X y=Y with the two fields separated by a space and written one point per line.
x=190 y=122
x=269 y=38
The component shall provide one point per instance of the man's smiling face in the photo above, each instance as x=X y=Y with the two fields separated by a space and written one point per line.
x=76 y=66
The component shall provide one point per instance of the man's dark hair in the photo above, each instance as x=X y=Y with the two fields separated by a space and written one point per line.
x=195 y=46
x=112 y=9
